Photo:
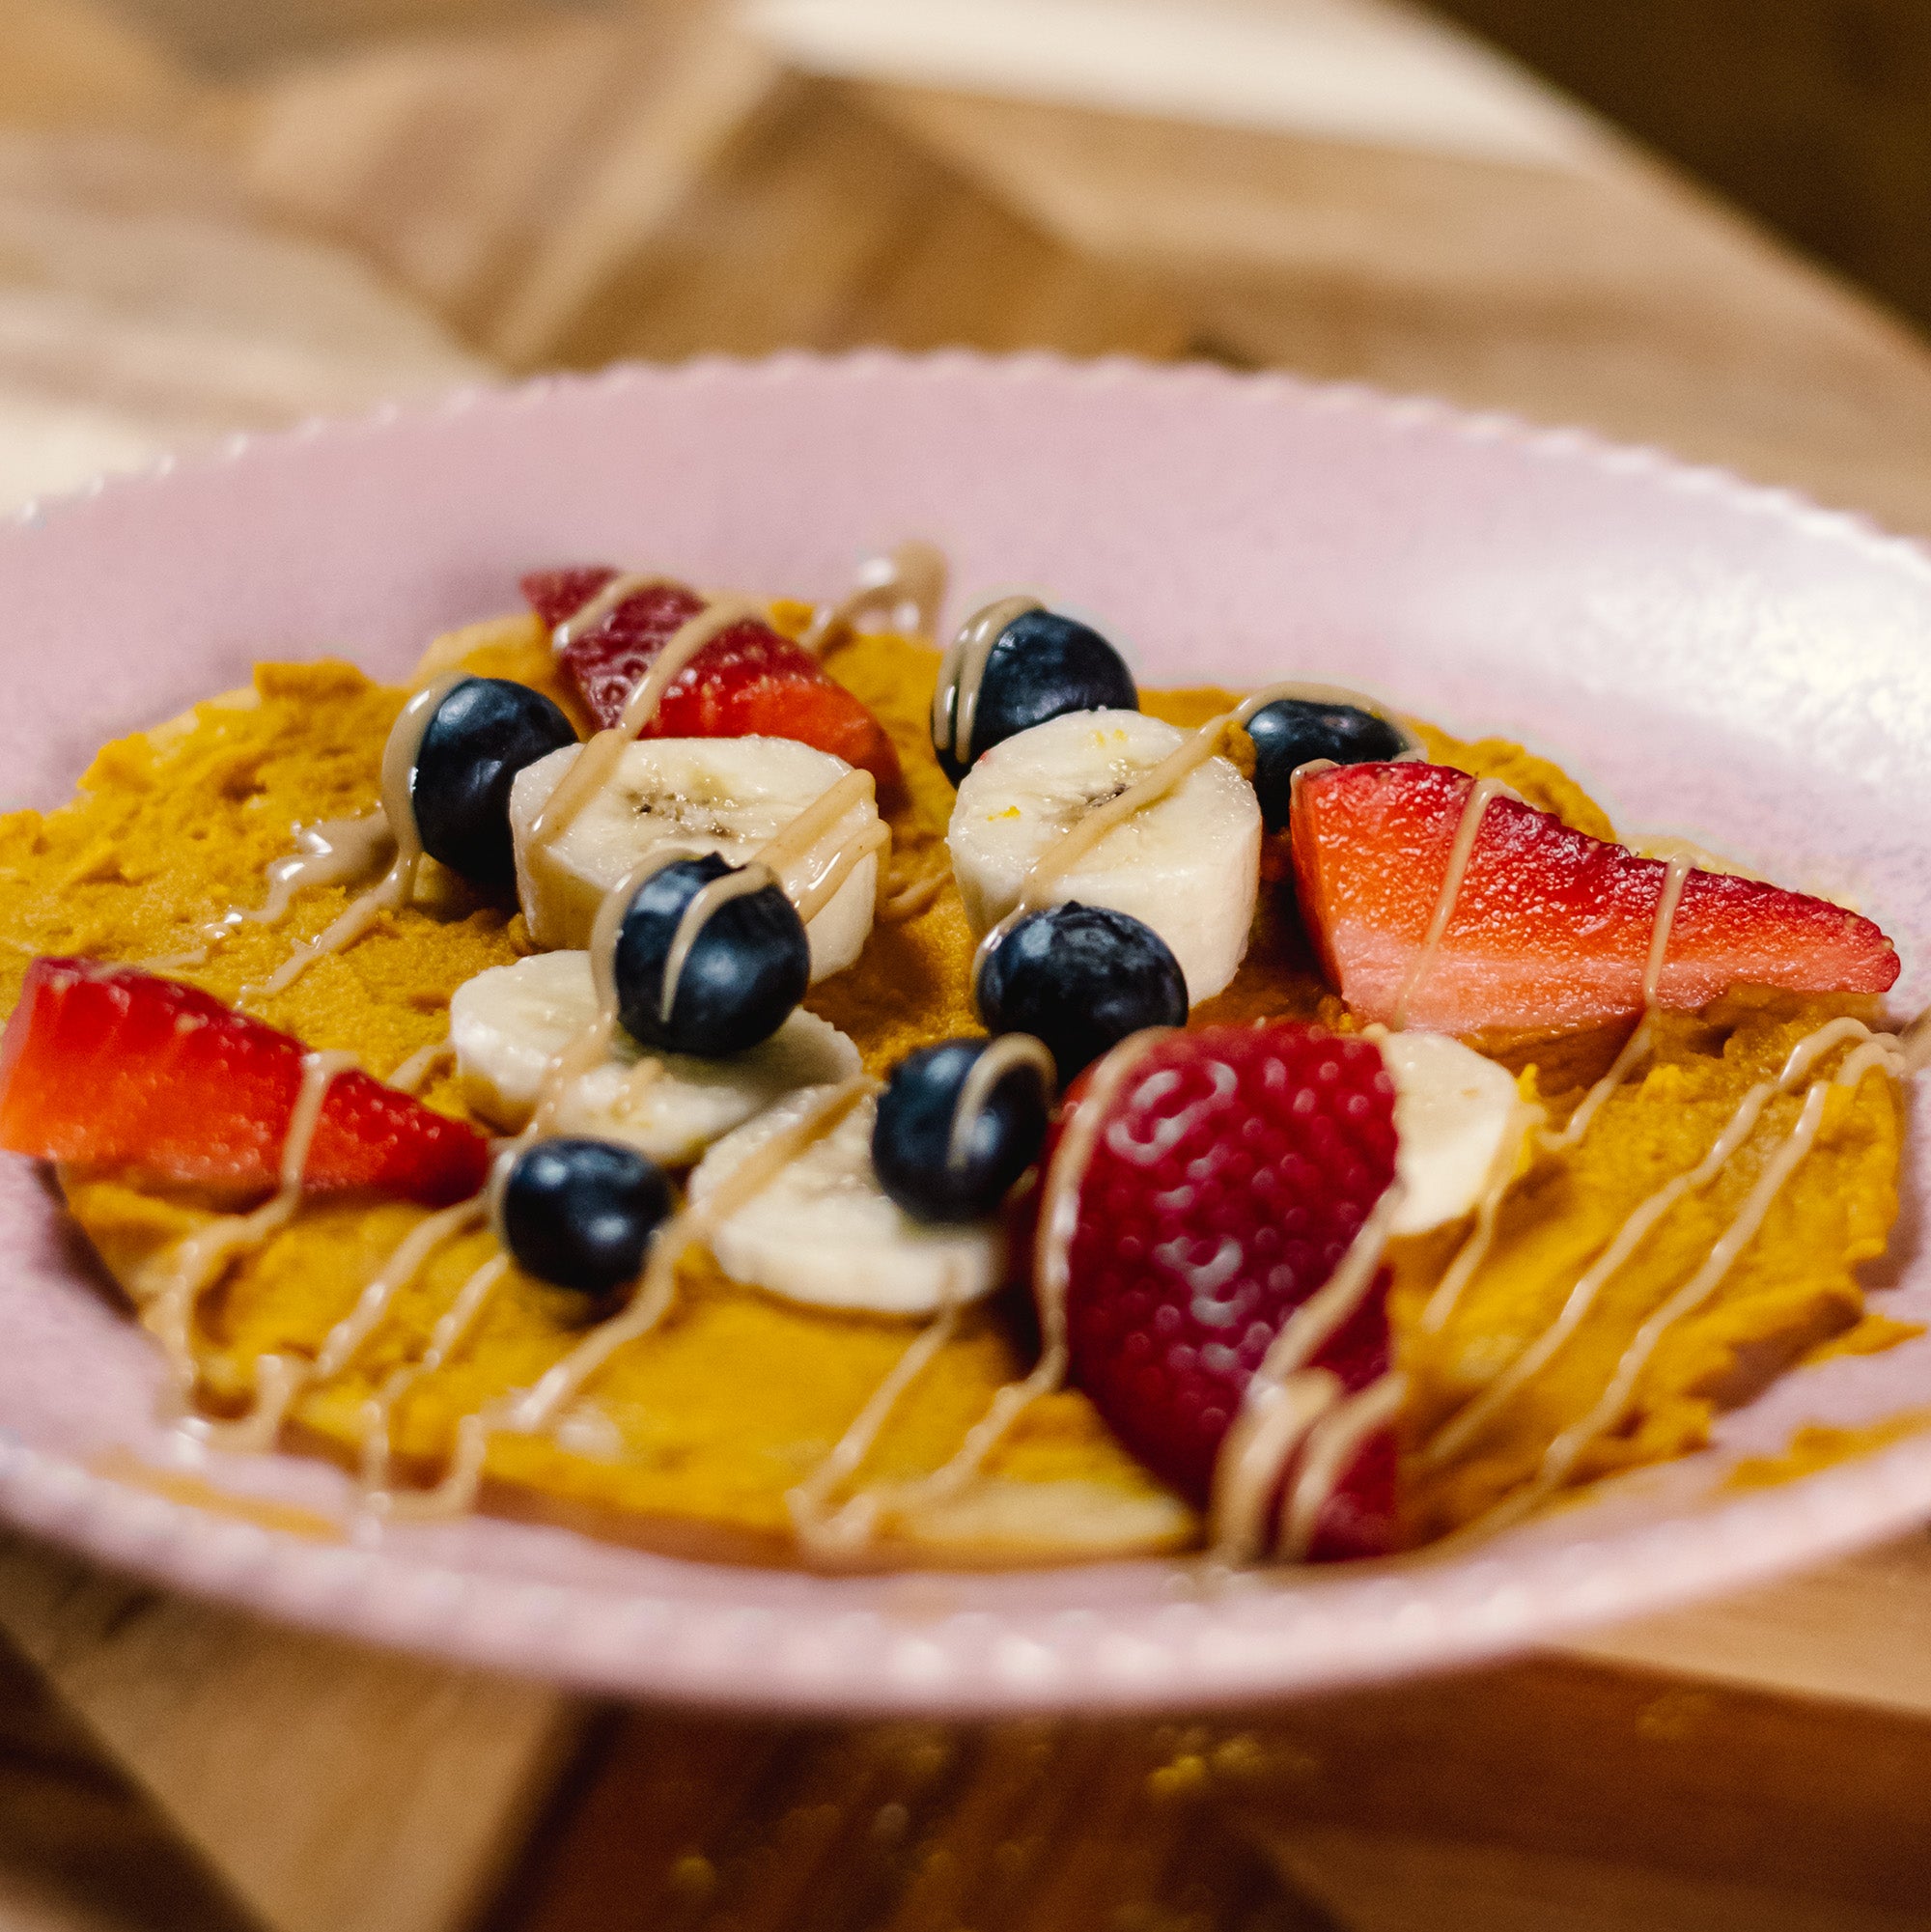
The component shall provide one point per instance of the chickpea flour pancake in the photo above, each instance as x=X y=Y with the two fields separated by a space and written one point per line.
x=725 y=1075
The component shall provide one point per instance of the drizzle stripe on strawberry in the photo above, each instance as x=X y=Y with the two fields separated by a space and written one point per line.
x=112 y=1066
x=747 y=682
x=1551 y=929
x=1234 y=1170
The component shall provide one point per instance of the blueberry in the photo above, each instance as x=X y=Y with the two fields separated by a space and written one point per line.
x=911 y=1139
x=478 y=738
x=1081 y=978
x=748 y=965
x=1291 y=731
x=1041 y=666
x=581 y=1213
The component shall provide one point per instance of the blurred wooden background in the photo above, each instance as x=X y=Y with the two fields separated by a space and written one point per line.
x=1814 y=114
x=216 y=215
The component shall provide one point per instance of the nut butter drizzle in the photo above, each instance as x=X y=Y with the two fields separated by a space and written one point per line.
x=538 y=1408
x=193 y=1265
x=1327 y=1452
x=1005 y=1054
x=1285 y=1399
x=396 y=885
x=1870 y=1052
x=1474 y=1251
x=908 y=582
x=955 y=697
x=1079 y=839
x=260 y=1427
x=331 y=851
x=412 y=1074
x=452 y=1330
x=604 y=602
x=1460 y=851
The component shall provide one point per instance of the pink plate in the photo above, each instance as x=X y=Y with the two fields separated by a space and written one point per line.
x=1732 y=661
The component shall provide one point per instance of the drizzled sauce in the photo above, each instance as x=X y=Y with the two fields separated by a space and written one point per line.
x=1869 y=1052
x=398 y=884
x=333 y=852
x=1284 y=1399
x=414 y=1073
x=903 y=589
x=194 y=1263
x=538 y=1406
x=962 y=671
x=452 y=1330
x=1459 y=854
x=1006 y=1055
x=592 y=612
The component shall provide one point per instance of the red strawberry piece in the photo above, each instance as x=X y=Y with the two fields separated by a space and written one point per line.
x=1551 y=930
x=1235 y=1167
x=115 y=1067
x=747 y=682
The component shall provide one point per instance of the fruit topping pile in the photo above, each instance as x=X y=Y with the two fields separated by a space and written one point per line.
x=1202 y=1209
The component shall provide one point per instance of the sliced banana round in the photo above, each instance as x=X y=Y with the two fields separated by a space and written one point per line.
x=508 y=1023
x=1189 y=865
x=723 y=794
x=1460 y=1123
x=824 y=1231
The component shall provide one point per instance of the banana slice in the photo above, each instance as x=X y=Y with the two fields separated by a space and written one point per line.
x=1188 y=866
x=723 y=795
x=826 y=1233
x=1460 y=1122
x=507 y=1023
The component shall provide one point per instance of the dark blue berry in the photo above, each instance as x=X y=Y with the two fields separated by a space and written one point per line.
x=1291 y=731
x=911 y=1139
x=749 y=963
x=481 y=736
x=1081 y=978
x=1042 y=666
x=581 y=1213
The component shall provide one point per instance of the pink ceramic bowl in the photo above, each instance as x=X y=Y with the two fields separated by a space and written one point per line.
x=1719 y=659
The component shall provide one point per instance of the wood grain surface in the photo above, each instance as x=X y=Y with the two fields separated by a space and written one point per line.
x=214 y=217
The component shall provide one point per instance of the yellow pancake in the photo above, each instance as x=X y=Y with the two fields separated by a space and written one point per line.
x=690 y=1438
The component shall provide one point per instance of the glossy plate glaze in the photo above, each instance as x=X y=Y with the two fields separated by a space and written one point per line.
x=1711 y=657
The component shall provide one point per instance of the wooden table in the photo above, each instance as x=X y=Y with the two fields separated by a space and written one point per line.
x=1323 y=184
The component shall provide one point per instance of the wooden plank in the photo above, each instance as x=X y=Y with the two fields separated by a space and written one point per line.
x=82 y=1850
x=1611 y=294
x=1539 y=1795
x=825 y=228
x=1857 y=1631
x=503 y=178
x=335 y=1788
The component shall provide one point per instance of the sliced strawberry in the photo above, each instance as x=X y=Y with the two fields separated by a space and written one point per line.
x=1551 y=930
x=1236 y=1165
x=115 y=1067
x=747 y=682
